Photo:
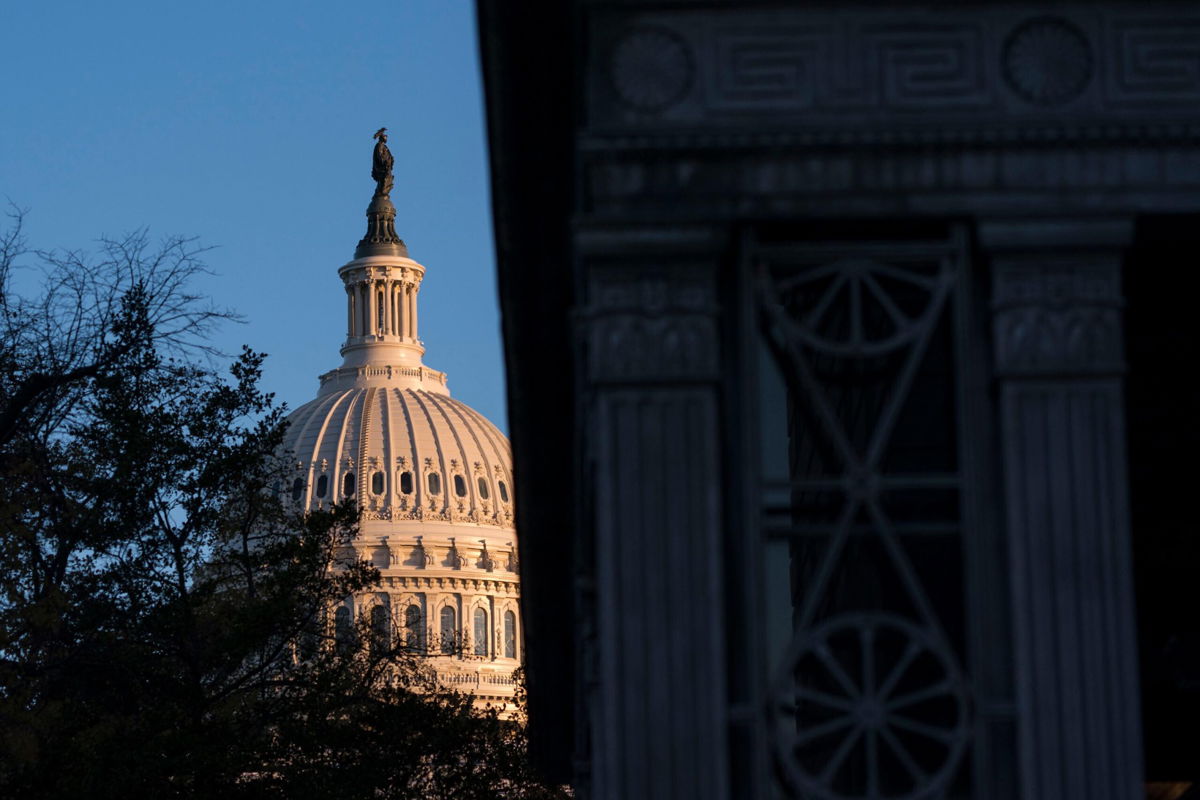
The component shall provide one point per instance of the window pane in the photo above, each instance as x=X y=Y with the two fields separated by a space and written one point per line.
x=447 y=630
x=377 y=483
x=483 y=488
x=481 y=632
x=435 y=483
x=503 y=492
x=322 y=485
x=348 y=485
x=406 y=484
x=510 y=634
x=414 y=637
x=297 y=489
x=460 y=486
x=380 y=629
x=343 y=631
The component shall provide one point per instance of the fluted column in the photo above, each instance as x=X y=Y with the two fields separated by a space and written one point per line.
x=412 y=311
x=1058 y=356
x=372 y=309
x=654 y=605
x=394 y=304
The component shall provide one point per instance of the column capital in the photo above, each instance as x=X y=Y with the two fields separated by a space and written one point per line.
x=1056 y=295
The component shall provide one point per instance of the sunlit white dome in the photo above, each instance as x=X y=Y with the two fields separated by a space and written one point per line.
x=402 y=454
x=431 y=477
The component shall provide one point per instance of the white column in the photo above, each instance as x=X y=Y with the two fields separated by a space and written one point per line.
x=397 y=317
x=372 y=322
x=412 y=311
x=349 y=311
x=385 y=298
x=364 y=309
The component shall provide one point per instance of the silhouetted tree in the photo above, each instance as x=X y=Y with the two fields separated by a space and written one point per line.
x=163 y=608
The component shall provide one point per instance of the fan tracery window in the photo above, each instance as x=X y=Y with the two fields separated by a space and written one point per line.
x=861 y=517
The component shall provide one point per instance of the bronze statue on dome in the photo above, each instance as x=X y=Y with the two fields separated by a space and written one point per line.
x=381 y=166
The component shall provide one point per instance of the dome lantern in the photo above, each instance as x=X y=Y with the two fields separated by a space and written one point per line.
x=382 y=282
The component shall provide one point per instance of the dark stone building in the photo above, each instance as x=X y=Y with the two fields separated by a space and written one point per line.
x=848 y=352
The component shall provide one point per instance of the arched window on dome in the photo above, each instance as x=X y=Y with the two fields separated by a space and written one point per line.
x=348 y=485
x=297 y=489
x=460 y=486
x=414 y=635
x=309 y=640
x=483 y=488
x=322 y=485
x=343 y=630
x=377 y=483
x=434 y=482
x=510 y=634
x=503 y=491
x=449 y=632
x=406 y=482
x=482 y=639
x=381 y=630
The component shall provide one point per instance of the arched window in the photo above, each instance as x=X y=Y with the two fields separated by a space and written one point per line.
x=406 y=484
x=348 y=485
x=377 y=483
x=435 y=483
x=414 y=636
x=503 y=492
x=297 y=489
x=483 y=489
x=308 y=640
x=381 y=629
x=510 y=634
x=481 y=632
x=460 y=486
x=343 y=630
x=322 y=485
x=448 y=636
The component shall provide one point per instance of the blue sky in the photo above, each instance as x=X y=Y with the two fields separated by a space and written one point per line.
x=248 y=124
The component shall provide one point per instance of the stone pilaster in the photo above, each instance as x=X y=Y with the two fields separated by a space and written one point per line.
x=653 y=657
x=1058 y=357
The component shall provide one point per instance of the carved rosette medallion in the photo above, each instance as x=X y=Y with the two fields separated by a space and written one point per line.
x=1047 y=61
x=651 y=68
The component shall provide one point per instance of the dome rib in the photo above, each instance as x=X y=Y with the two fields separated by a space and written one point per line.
x=437 y=444
x=418 y=484
x=491 y=432
x=387 y=449
x=466 y=423
x=320 y=440
x=462 y=451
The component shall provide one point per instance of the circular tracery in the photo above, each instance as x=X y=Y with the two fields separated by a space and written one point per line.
x=868 y=705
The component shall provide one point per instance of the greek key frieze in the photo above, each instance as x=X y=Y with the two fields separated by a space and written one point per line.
x=960 y=69
x=1155 y=61
x=837 y=68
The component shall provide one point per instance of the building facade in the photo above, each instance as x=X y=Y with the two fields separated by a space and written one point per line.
x=855 y=320
x=432 y=478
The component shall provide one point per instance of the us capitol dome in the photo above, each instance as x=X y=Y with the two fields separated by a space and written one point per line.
x=432 y=477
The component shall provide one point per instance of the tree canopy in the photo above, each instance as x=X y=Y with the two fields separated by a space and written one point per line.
x=162 y=610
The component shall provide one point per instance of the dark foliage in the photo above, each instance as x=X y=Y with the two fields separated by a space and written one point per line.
x=156 y=591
